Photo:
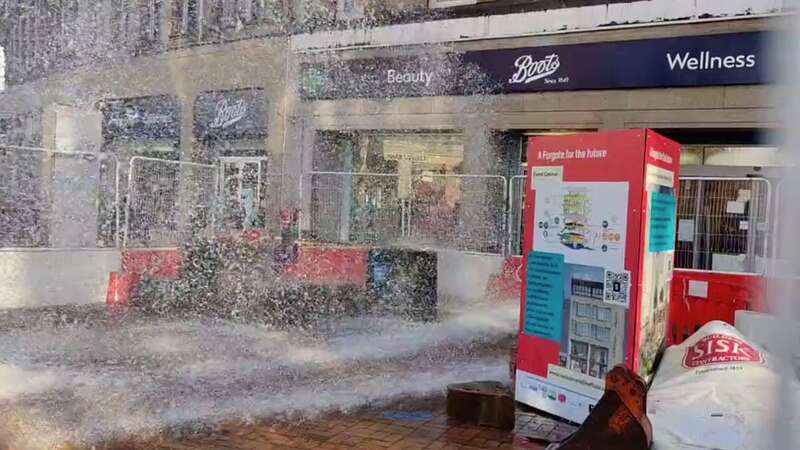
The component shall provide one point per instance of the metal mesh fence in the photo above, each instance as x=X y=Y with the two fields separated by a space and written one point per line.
x=363 y=208
x=723 y=224
x=516 y=208
x=169 y=202
x=57 y=199
x=461 y=212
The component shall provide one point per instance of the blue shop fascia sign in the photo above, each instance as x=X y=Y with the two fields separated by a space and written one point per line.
x=687 y=61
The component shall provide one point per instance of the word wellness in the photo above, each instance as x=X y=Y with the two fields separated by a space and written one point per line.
x=705 y=61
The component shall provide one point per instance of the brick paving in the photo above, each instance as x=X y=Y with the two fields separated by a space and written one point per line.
x=394 y=428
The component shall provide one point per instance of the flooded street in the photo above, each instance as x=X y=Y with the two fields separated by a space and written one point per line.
x=95 y=383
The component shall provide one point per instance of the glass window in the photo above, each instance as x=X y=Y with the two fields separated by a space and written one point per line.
x=583 y=310
x=603 y=314
x=579 y=349
x=582 y=329
x=730 y=156
x=602 y=334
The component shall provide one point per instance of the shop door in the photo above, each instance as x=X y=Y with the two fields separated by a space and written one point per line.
x=242 y=185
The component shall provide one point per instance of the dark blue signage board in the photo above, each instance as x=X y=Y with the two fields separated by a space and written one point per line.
x=687 y=61
x=143 y=119
x=711 y=60
x=404 y=76
x=229 y=115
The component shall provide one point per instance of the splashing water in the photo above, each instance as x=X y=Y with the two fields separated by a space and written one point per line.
x=94 y=383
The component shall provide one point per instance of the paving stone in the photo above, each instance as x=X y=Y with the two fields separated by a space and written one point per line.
x=360 y=431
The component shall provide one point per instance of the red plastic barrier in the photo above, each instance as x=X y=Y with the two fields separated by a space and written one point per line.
x=330 y=266
x=506 y=285
x=121 y=287
x=726 y=293
x=159 y=264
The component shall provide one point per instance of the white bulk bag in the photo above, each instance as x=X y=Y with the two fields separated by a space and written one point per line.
x=718 y=390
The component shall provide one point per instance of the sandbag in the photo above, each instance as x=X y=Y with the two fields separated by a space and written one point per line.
x=719 y=390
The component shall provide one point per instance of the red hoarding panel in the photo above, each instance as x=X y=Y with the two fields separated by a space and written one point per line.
x=597 y=259
x=159 y=264
x=330 y=266
x=698 y=297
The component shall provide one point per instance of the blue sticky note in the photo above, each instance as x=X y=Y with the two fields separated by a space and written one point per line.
x=544 y=295
x=662 y=222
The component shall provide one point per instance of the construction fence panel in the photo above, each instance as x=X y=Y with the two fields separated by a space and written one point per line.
x=58 y=199
x=360 y=208
x=516 y=213
x=724 y=224
x=169 y=202
x=453 y=212
x=458 y=212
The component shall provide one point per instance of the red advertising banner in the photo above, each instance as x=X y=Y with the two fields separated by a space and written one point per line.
x=597 y=263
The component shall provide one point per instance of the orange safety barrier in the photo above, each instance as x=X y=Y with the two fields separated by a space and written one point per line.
x=121 y=287
x=715 y=296
x=160 y=264
x=330 y=266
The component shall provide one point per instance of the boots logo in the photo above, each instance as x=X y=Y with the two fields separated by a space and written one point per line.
x=229 y=113
x=720 y=349
x=529 y=70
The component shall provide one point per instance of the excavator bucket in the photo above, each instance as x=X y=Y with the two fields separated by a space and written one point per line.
x=618 y=421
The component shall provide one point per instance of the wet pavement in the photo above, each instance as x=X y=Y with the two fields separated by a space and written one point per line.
x=108 y=380
x=412 y=424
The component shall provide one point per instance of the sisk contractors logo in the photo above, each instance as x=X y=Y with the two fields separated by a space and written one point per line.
x=720 y=349
x=530 y=70
x=228 y=114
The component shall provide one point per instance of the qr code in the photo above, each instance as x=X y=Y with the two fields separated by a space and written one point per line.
x=617 y=288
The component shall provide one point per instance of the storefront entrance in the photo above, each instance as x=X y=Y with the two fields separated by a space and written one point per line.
x=242 y=184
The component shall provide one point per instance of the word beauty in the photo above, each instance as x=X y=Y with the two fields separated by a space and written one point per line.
x=395 y=77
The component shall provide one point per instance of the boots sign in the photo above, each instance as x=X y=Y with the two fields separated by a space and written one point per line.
x=236 y=114
x=686 y=61
x=711 y=60
x=529 y=70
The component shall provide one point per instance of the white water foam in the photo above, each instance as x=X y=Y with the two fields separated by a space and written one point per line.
x=87 y=384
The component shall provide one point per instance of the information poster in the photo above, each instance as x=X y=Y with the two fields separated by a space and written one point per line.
x=662 y=222
x=586 y=222
x=545 y=297
x=599 y=239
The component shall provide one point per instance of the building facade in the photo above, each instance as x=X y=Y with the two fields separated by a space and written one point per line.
x=416 y=133
x=383 y=121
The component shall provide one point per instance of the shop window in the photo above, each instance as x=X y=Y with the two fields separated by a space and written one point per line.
x=243 y=183
x=406 y=189
x=730 y=156
x=149 y=21
x=185 y=19
x=598 y=366
x=350 y=9
x=579 y=356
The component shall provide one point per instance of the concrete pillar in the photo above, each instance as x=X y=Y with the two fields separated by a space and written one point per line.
x=193 y=182
x=482 y=210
